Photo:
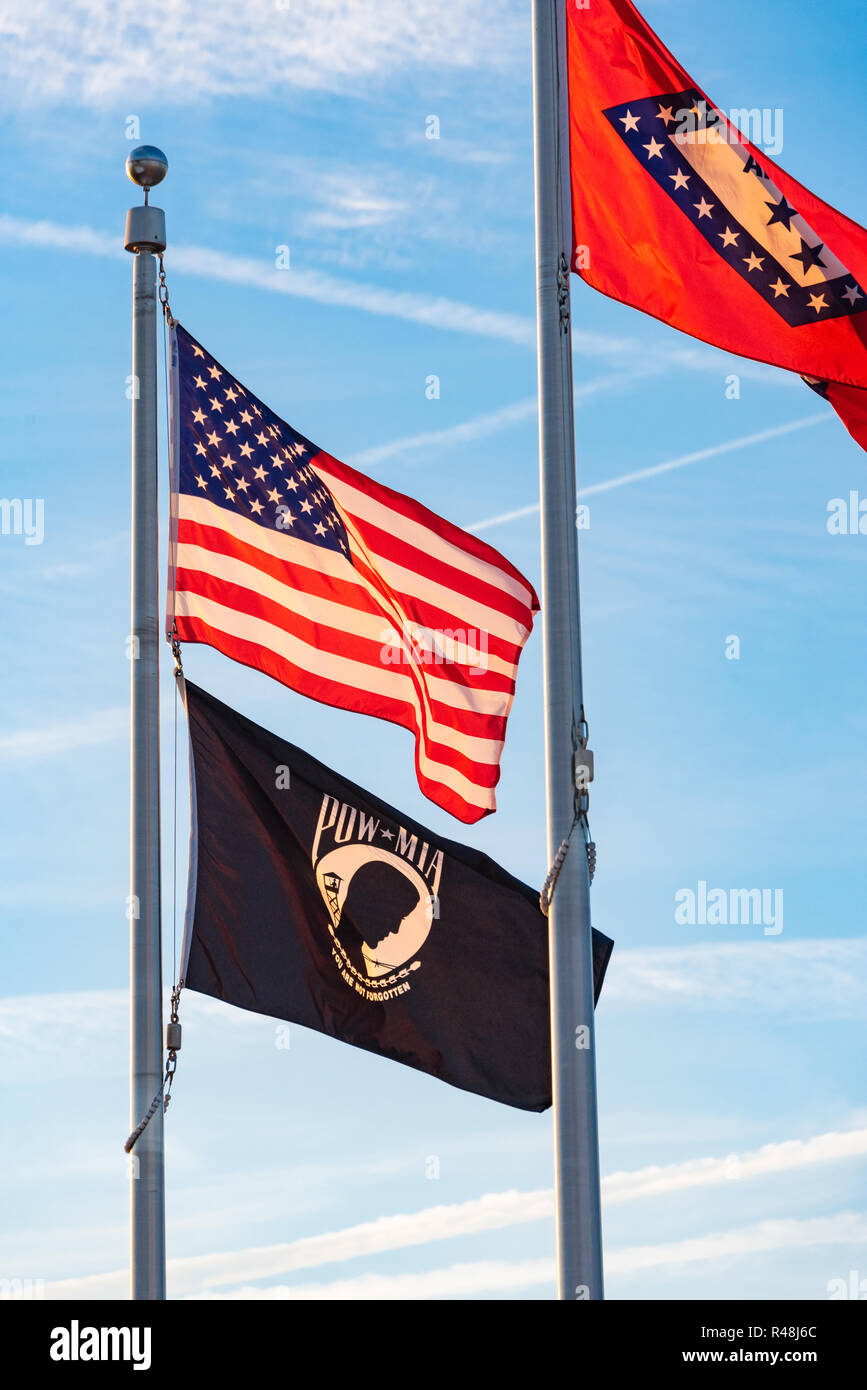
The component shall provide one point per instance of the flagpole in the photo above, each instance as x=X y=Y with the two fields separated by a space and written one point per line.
x=145 y=236
x=573 y=1049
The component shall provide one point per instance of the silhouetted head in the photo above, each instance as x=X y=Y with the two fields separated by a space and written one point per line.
x=378 y=899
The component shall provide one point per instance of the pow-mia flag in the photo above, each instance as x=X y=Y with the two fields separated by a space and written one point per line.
x=312 y=901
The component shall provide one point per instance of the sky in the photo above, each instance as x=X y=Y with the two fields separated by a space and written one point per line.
x=724 y=654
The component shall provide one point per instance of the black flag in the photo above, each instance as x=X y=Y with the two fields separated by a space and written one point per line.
x=312 y=901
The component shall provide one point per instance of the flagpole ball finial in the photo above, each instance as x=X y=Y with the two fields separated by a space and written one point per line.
x=147 y=166
x=146 y=225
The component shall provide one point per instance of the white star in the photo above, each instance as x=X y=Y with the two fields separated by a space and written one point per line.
x=230 y=494
x=728 y=237
x=654 y=149
x=228 y=461
x=629 y=122
x=262 y=438
x=215 y=472
x=665 y=115
x=215 y=404
x=277 y=461
x=817 y=302
x=290 y=482
x=274 y=496
x=245 y=417
x=256 y=506
x=232 y=427
x=754 y=262
x=199 y=417
x=231 y=395
x=852 y=293
x=259 y=473
x=201 y=482
x=215 y=373
x=197 y=350
x=213 y=438
x=306 y=505
x=387 y=834
x=242 y=484
x=780 y=288
x=200 y=449
x=201 y=383
x=680 y=179
x=319 y=529
x=703 y=208
x=246 y=451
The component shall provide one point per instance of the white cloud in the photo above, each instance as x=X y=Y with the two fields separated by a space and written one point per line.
x=96 y=51
x=807 y=979
x=844 y=1228
x=46 y=1036
x=66 y=735
x=465 y=433
x=698 y=456
x=455 y=1281
x=500 y=1276
x=793 y=1154
x=468 y=431
x=196 y=1275
x=431 y=310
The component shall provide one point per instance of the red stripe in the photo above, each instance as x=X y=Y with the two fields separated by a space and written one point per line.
x=392 y=547
x=408 y=507
x=329 y=692
x=427 y=614
x=339 y=642
x=299 y=576
x=351 y=697
x=311 y=581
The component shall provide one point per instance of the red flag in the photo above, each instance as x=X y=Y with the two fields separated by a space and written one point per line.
x=678 y=214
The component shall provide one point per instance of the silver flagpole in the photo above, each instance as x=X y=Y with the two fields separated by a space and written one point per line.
x=145 y=235
x=578 y=1215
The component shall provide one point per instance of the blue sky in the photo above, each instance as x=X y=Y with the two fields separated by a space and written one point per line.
x=730 y=1057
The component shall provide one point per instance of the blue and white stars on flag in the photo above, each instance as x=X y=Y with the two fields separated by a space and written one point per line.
x=293 y=563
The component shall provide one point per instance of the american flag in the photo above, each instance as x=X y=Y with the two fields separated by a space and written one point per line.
x=297 y=565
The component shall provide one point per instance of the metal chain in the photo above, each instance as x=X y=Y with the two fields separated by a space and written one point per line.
x=174 y=641
x=164 y=1094
x=563 y=292
x=580 y=735
x=164 y=293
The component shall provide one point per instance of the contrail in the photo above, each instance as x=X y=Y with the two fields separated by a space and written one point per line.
x=681 y=462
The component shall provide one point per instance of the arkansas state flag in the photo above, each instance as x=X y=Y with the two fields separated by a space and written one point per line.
x=312 y=901
x=678 y=214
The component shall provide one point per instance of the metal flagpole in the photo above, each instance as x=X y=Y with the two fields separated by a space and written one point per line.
x=568 y=764
x=145 y=235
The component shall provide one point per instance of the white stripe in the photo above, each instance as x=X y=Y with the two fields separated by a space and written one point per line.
x=379 y=680
x=342 y=618
x=367 y=508
x=316 y=557
x=356 y=676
